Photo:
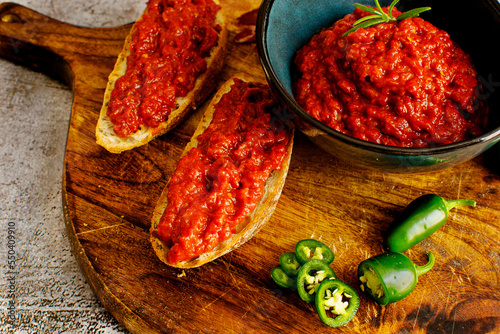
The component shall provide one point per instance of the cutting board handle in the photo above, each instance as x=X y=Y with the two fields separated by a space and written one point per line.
x=54 y=47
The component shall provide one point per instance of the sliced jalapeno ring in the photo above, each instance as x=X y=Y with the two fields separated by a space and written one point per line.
x=310 y=249
x=310 y=276
x=336 y=302
x=282 y=279
x=289 y=264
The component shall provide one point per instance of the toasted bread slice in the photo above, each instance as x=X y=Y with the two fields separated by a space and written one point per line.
x=204 y=85
x=252 y=223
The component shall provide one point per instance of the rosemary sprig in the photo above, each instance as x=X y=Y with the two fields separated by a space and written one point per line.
x=378 y=15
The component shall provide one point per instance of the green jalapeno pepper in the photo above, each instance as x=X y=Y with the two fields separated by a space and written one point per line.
x=336 y=302
x=282 y=279
x=289 y=264
x=390 y=276
x=310 y=276
x=422 y=217
x=310 y=249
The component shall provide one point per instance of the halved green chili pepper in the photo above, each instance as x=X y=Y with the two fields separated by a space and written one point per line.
x=422 y=217
x=282 y=279
x=391 y=276
x=336 y=302
x=310 y=249
x=311 y=274
x=289 y=264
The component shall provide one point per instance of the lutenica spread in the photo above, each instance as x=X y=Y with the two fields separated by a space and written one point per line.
x=403 y=83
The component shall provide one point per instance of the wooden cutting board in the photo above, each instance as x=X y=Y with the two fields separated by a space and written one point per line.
x=109 y=199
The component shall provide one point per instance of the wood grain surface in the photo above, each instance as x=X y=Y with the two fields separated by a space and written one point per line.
x=109 y=199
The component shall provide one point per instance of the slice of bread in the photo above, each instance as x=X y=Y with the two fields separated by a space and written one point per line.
x=204 y=85
x=252 y=223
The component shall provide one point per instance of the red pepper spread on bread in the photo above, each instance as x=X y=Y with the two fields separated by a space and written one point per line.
x=403 y=83
x=219 y=183
x=167 y=52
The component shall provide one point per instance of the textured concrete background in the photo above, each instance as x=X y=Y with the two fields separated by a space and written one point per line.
x=51 y=293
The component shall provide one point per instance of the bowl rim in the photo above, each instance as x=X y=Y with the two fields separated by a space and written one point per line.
x=276 y=85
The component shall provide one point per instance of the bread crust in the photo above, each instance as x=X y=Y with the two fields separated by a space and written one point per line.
x=252 y=223
x=204 y=85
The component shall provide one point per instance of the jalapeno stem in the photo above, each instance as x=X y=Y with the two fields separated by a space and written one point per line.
x=450 y=204
x=420 y=270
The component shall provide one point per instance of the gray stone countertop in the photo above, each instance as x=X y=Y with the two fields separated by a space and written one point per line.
x=51 y=293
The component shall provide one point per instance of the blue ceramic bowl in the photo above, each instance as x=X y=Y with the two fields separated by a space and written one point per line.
x=284 y=26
